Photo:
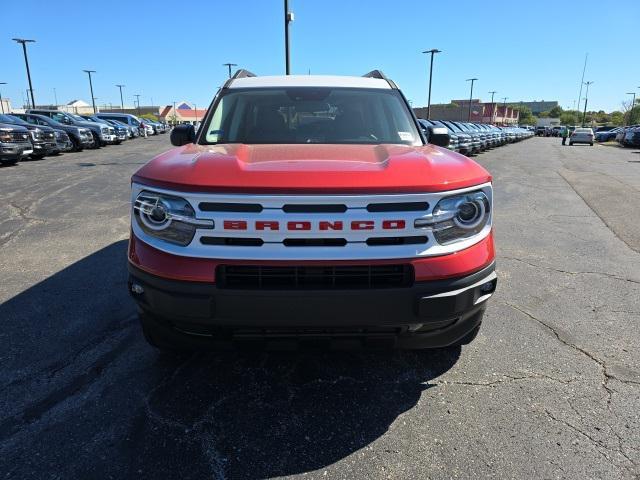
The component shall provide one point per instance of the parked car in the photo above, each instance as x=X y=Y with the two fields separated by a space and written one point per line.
x=63 y=142
x=382 y=256
x=129 y=131
x=581 y=135
x=15 y=143
x=43 y=138
x=465 y=141
x=453 y=138
x=131 y=121
x=102 y=134
x=80 y=137
x=119 y=132
x=607 y=135
x=630 y=138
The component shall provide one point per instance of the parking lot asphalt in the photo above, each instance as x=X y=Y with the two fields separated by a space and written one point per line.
x=549 y=389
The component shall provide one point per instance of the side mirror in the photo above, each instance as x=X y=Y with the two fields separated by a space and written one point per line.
x=439 y=136
x=183 y=134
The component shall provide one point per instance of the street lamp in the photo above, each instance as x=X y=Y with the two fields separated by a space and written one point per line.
x=2 y=104
x=586 y=99
x=55 y=96
x=288 y=18
x=93 y=102
x=24 y=42
x=633 y=102
x=472 y=80
x=138 y=102
x=432 y=52
x=121 y=100
x=229 y=65
x=504 y=107
x=493 y=107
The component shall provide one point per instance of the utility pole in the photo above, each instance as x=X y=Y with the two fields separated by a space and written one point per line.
x=2 y=104
x=24 y=42
x=493 y=106
x=584 y=69
x=121 y=100
x=504 y=114
x=633 y=103
x=195 y=107
x=586 y=99
x=229 y=65
x=472 y=80
x=288 y=18
x=55 y=96
x=89 y=72
x=432 y=52
x=138 y=102
x=174 y=114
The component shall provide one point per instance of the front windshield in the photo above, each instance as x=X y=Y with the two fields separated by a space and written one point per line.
x=312 y=115
x=77 y=117
x=13 y=120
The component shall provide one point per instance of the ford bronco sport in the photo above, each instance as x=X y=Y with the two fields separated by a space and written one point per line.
x=311 y=209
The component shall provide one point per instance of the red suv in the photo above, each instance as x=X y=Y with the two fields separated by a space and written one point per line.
x=311 y=209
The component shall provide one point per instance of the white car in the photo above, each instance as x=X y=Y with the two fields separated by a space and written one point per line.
x=581 y=135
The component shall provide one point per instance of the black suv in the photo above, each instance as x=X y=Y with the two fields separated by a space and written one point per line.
x=102 y=134
x=14 y=143
x=43 y=138
x=81 y=137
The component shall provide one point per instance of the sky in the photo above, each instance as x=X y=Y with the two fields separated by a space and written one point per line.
x=172 y=51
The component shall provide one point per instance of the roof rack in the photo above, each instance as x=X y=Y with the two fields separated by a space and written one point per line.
x=241 y=73
x=378 y=74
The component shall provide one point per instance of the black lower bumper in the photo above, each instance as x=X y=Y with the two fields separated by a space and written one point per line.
x=427 y=314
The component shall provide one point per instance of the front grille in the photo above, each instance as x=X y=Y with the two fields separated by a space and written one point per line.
x=258 y=277
x=17 y=137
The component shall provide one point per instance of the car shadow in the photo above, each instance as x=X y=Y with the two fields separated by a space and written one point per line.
x=86 y=396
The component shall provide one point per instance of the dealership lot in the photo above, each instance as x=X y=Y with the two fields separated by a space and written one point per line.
x=550 y=389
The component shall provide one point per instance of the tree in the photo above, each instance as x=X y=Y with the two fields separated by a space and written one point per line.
x=570 y=117
x=617 y=118
x=633 y=115
x=526 y=117
x=555 y=112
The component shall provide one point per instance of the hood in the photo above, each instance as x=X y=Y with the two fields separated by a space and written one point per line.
x=10 y=127
x=311 y=169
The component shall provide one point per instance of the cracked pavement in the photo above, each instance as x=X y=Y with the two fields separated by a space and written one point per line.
x=549 y=389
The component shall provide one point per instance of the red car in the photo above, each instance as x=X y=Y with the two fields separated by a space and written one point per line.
x=311 y=209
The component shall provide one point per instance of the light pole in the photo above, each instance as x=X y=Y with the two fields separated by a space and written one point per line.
x=24 y=42
x=138 y=102
x=89 y=72
x=195 y=107
x=493 y=107
x=432 y=52
x=229 y=65
x=121 y=100
x=55 y=96
x=288 y=18
x=633 y=102
x=504 y=114
x=472 y=80
x=586 y=99
x=2 y=104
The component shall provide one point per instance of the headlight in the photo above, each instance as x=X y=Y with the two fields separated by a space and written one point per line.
x=458 y=217
x=36 y=134
x=168 y=218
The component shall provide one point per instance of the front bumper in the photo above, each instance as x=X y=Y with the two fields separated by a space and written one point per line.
x=14 y=151
x=425 y=315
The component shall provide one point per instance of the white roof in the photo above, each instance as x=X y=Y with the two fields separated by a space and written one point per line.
x=310 y=81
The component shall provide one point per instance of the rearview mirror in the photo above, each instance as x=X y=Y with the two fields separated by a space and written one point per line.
x=183 y=134
x=439 y=136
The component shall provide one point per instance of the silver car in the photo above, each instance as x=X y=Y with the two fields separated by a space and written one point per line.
x=581 y=135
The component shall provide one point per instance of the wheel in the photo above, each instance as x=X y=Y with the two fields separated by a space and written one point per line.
x=39 y=156
x=96 y=141
x=8 y=162
x=570 y=144
x=591 y=144
x=76 y=145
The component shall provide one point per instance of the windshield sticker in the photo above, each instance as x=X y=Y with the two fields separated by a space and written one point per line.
x=406 y=136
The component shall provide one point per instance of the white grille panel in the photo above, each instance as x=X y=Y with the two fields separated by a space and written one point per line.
x=399 y=224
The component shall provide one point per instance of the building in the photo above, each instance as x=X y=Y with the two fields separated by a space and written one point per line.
x=458 y=110
x=5 y=105
x=79 y=107
x=538 y=107
x=182 y=112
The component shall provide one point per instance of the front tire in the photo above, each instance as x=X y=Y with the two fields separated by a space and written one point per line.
x=154 y=336
x=571 y=144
